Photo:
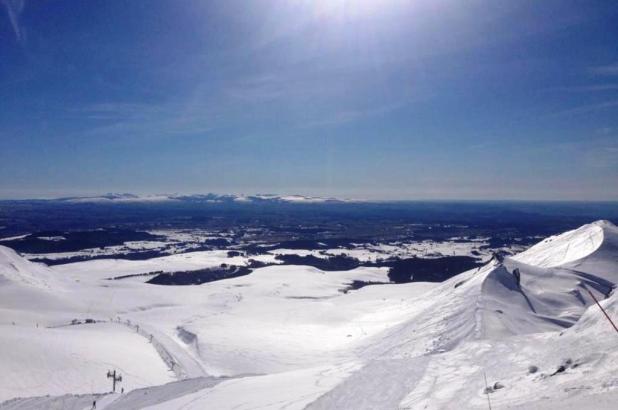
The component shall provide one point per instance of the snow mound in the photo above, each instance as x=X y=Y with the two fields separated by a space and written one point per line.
x=546 y=287
x=545 y=299
x=569 y=246
x=490 y=303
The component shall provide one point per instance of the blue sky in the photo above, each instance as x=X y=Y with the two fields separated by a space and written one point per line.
x=381 y=99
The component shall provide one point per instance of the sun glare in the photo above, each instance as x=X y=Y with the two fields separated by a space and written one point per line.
x=347 y=8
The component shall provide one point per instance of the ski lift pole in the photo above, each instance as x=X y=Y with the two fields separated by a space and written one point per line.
x=115 y=378
x=601 y=307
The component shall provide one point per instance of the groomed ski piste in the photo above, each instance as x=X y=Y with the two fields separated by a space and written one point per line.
x=295 y=337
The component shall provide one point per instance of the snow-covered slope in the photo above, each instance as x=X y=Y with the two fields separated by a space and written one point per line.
x=108 y=268
x=567 y=247
x=17 y=270
x=289 y=337
x=488 y=303
x=43 y=354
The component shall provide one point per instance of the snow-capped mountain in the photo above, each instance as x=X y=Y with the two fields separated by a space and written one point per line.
x=115 y=198
x=288 y=337
x=199 y=198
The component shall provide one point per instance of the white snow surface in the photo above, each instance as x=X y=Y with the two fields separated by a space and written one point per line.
x=427 y=249
x=568 y=247
x=108 y=268
x=289 y=337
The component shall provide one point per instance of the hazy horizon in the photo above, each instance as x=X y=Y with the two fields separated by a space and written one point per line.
x=368 y=198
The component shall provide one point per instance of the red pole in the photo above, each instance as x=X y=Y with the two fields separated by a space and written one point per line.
x=602 y=310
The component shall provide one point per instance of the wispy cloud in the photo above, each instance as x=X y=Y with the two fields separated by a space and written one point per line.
x=606 y=70
x=601 y=154
x=604 y=156
x=14 y=9
x=588 y=108
x=262 y=88
x=282 y=86
x=122 y=120
x=592 y=151
x=348 y=116
x=605 y=130
x=589 y=88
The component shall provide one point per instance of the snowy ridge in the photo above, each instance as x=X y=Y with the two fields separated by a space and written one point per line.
x=17 y=270
x=553 y=283
x=569 y=246
x=551 y=293
x=288 y=337
x=483 y=320
x=116 y=198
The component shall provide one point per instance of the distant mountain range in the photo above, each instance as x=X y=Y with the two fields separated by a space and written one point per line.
x=201 y=198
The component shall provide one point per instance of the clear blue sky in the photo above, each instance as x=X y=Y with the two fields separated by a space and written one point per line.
x=387 y=99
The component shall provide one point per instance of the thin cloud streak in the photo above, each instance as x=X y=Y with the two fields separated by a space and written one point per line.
x=606 y=70
x=348 y=116
x=584 y=109
x=590 y=88
x=14 y=9
x=128 y=120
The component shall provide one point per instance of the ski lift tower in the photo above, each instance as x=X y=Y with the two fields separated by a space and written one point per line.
x=115 y=378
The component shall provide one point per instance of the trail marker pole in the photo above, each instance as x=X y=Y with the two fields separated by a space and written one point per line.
x=115 y=378
x=601 y=307
x=487 y=391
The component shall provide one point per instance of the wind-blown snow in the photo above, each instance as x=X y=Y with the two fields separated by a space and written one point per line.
x=296 y=337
